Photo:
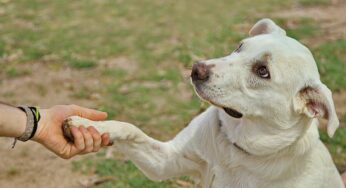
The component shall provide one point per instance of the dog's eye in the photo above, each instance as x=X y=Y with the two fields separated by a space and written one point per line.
x=239 y=48
x=263 y=72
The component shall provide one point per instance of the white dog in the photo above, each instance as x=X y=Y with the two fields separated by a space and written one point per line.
x=261 y=130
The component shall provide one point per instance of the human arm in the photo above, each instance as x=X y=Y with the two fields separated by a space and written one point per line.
x=49 y=131
x=12 y=121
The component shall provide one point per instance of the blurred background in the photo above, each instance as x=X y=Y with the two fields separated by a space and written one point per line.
x=133 y=59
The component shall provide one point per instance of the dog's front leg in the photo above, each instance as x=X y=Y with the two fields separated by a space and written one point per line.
x=158 y=160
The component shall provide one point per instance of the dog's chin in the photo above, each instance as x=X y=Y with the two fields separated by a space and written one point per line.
x=230 y=111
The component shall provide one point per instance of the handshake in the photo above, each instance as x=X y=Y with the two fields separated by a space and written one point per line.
x=45 y=127
x=85 y=140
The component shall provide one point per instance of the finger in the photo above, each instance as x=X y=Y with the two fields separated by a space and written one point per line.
x=88 y=140
x=96 y=138
x=73 y=150
x=69 y=151
x=78 y=138
x=106 y=140
x=88 y=113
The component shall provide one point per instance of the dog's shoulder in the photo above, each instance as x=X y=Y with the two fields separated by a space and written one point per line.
x=206 y=120
x=199 y=135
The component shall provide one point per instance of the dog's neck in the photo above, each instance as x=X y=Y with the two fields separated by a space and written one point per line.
x=258 y=139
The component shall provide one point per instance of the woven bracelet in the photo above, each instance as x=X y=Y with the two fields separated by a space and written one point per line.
x=33 y=117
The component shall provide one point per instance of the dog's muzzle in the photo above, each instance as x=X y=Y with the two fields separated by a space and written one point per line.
x=200 y=73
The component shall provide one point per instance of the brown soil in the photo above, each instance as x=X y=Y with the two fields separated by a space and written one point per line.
x=29 y=164
x=332 y=20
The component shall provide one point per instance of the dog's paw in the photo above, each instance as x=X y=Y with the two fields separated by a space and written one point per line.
x=73 y=121
x=66 y=129
x=118 y=131
x=125 y=132
x=79 y=121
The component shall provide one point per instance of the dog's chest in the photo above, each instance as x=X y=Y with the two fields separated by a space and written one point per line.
x=245 y=173
x=232 y=178
x=237 y=168
x=239 y=177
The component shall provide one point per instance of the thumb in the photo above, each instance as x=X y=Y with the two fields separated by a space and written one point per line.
x=88 y=113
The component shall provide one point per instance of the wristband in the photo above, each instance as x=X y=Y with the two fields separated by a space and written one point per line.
x=33 y=117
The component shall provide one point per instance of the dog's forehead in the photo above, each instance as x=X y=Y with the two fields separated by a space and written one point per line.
x=272 y=42
x=283 y=49
x=287 y=55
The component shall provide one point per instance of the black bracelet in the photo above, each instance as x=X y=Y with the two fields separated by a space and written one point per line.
x=37 y=117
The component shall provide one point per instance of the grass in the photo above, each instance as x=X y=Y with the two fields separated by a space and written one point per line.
x=314 y=2
x=331 y=61
x=2 y=49
x=13 y=72
x=82 y=93
x=162 y=38
x=337 y=146
x=134 y=178
x=116 y=168
x=344 y=117
x=82 y=63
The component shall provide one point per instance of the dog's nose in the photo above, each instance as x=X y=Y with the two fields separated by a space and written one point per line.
x=200 y=72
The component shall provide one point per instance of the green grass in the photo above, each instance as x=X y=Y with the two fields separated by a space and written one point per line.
x=314 y=2
x=145 y=30
x=132 y=178
x=81 y=63
x=305 y=28
x=13 y=72
x=116 y=168
x=331 y=61
x=161 y=38
x=2 y=49
x=299 y=28
x=344 y=117
x=337 y=146
x=82 y=93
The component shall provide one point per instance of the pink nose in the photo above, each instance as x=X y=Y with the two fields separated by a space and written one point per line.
x=200 y=72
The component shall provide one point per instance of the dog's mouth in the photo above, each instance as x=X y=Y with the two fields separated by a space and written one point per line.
x=233 y=112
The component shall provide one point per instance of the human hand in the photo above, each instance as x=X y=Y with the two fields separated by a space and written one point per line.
x=49 y=132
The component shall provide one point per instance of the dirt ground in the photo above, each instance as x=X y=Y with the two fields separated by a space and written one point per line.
x=331 y=19
x=30 y=165
x=31 y=169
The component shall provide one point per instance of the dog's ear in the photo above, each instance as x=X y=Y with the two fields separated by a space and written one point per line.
x=315 y=100
x=266 y=26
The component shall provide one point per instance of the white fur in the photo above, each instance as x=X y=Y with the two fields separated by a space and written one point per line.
x=278 y=132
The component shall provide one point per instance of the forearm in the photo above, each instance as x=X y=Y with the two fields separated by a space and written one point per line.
x=12 y=121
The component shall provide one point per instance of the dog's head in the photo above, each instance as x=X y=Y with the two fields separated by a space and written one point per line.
x=269 y=76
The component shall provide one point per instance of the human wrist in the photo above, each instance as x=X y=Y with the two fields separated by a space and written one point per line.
x=21 y=123
x=41 y=127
